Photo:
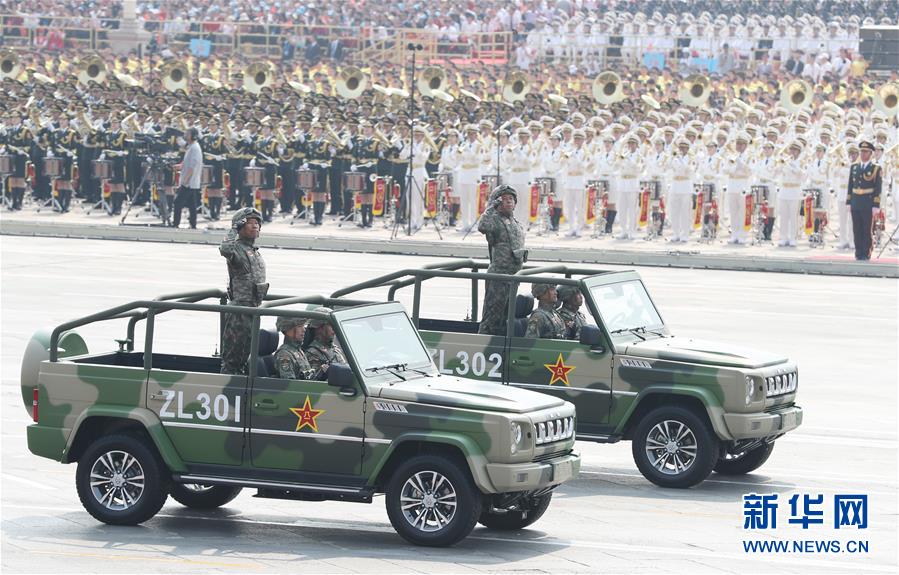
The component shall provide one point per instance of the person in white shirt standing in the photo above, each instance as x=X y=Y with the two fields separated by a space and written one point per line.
x=840 y=185
x=629 y=166
x=577 y=165
x=792 y=174
x=188 y=194
x=682 y=171
x=469 y=170
x=738 y=170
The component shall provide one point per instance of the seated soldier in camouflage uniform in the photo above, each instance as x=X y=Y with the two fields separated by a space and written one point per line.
x=246 y=287
x=570 y=312
x=505 y=244
x=290 y=361
x=545 y=322
x=323 y=351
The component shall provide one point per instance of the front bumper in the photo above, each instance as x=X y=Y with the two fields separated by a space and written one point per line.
x=752 y=425
x=533 y=475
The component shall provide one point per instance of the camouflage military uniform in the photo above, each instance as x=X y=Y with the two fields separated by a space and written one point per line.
x=545 y=322
x=320 y=354
x=505 y=241
x=291 y=362
x=246 y=287
x=574 y=320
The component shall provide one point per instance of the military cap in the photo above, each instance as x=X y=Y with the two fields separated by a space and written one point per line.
x=866 y=145
x=313 y=323
x=538 y=290
x=284 y=324
x=503 y=190
x=565 y=291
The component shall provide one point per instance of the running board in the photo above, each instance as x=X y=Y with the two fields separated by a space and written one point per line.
x=598 y=438
x=283 y=490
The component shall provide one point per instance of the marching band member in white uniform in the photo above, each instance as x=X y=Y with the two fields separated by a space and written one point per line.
x=792 y=175
x=738 y=171
x=629 y=166
x=683 y=171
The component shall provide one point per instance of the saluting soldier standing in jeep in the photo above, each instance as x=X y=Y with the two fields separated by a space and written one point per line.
x=246 y=287
x=505 y=242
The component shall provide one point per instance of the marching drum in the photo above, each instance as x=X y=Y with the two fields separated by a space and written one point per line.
x=760 y=194
x=206 y=175
x=54 y=167
x=547 y=187
x=654 y=187
x=254 y=177
x=102 y=169
x=306 y=180
x=444 y=180
x=354 y=181
x=6 y=164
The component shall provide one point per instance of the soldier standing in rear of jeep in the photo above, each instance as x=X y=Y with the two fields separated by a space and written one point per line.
x=246 y=287
x=505 y=242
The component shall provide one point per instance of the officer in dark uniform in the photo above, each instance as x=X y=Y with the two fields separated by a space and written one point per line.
x=366 y=152
x=863 y=197
x=318 y=156
x=287 y=170
x=65 y=145
x=89 y=186
x=114 y=149
x=214 y=151
x=18 y=142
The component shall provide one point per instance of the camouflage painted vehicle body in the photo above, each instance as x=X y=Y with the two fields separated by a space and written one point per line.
x=628 y=376
x=367 y=429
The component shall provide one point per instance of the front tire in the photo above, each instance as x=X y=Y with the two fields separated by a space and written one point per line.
x=746 y=462
x=199 y=496
x=674 y=447
x=431 y=500
x=120 y=480
x=525 y=512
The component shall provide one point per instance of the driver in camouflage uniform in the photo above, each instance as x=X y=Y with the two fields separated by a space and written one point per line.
x=545 y=322
x=323 y=351
x=290 y=361
x=505 y=243
x=570 y=312
x=246 y=287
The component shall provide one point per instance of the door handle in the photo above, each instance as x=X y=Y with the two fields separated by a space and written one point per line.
x=266 y=404
x=157 y=396
x=524 y=360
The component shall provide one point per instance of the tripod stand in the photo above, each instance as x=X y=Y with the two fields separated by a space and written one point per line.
x=410 y=181
x=154 y=176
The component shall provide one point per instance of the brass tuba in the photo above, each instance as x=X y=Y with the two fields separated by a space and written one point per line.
x=431 y=79
x=607 y=88
x=795 y=95
x=9 y=65
x=92 y=69
x=351 y=82
x=515 y=86
x=175 y=76
x=694 y=90
x=257 y=76
x=886 y=99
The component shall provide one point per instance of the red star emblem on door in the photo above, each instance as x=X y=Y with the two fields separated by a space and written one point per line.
x=559 y=371
x=306 y=415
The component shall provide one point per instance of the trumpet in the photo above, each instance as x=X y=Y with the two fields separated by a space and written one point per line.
x=382 y=138
x=334 y=137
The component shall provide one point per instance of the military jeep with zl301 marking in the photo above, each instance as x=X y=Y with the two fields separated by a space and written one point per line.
x=155 y=421
x=690 y=407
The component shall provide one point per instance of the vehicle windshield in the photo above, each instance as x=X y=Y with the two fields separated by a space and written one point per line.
x=625 y=306
x=385 y=344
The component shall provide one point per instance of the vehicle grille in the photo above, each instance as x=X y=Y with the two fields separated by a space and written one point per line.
x=776 y=385
x=554 y=430
x=548 y=456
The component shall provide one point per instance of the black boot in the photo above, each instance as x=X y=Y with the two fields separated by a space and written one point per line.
x=18 y=196
x=554 y=219
x=610 y=219
x=768 y=230
x=268 y=210
x=452 y=214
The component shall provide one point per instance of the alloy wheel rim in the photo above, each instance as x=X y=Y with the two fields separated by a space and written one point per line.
x=428 y=501
x=117 y=480
x=671 y=447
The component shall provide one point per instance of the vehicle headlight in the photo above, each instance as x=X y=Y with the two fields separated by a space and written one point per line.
x=515 y=436
x=750 y=386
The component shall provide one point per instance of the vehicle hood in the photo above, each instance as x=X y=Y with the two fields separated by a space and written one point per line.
x=703 y=352
x=468 y=394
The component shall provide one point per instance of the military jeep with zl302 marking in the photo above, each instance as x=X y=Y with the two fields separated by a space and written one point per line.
x=690 y=407
x=155 y=421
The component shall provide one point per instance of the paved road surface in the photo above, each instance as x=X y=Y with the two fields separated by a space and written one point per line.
x=843 y=332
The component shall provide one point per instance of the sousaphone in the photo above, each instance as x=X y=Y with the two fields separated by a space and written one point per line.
x=607 y=88
x=351 y=82
x=431 y=79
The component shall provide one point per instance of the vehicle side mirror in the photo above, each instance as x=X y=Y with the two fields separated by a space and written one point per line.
x=341 y=375
x=591 y=337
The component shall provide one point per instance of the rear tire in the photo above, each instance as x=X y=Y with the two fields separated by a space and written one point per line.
x=674 y=447
x=121 y=481
x=198 y=496
x=524 y=513
x=746 y=462
x=432 y=500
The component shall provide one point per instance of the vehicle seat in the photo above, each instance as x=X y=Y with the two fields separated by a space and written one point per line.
x=524 y=305
x=268 y=344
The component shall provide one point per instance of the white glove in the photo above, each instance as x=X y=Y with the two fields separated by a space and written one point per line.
x=253 y=163
x=305 y=165
x=281 y=149
x=353 y=167
x=50 y=154
x=102 y=156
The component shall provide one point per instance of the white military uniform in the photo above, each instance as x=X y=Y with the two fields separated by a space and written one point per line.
x=469 y=170
x=840 y=183
x=792 y=175
x=682 y=172
x=421 y=152
x=629 y=166
x=738 y=174
x=520 y=162
x=576 y=167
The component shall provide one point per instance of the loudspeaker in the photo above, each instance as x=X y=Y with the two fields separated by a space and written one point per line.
x=879 y=45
